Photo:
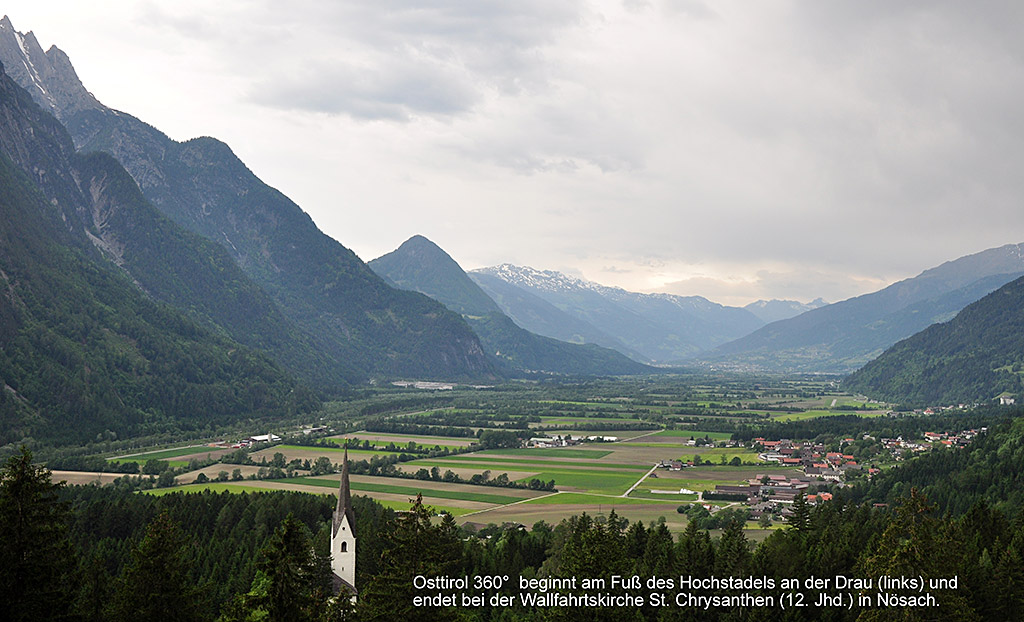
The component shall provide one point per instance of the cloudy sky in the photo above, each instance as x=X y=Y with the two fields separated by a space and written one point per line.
x=735 y=150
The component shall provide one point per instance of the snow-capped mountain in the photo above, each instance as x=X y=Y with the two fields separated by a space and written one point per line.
x=774 y=310
x=661 y=327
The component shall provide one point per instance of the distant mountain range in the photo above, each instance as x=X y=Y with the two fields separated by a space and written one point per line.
x=661 y=328
x=974 y=357
x=843 y=336
x=353 y=325
x=420 y=265
x=769 y=311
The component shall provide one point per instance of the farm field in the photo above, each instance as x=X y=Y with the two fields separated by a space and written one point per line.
x=183 y=455
x=378 y=438
x=394 y=501
x=301 y=452
x=814 y=414
x=83 y=478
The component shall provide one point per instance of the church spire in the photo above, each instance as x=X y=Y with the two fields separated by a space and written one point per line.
x=344 y=507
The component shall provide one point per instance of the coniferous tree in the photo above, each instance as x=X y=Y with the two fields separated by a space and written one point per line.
x=35 y=557
x=156 y=585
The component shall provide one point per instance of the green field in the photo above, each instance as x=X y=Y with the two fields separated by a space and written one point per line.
x=235 y=488
x=476 y=459
x=167 y=453
x=212 y=486
x=555 y=452
x=593 y=480
x=715 y=436
x=647 y=494
x=585 y=499
x=813 y=414
x=351 y=452
x=406 y=490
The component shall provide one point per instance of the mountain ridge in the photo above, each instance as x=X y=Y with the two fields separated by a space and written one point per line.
x=973 y=357
x=421 y=265
x=345 y=310
x=825 y=339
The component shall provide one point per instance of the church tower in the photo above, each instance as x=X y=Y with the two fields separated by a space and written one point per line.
x=343 y=538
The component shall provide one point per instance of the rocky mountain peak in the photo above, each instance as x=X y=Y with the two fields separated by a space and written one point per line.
x=48 y=76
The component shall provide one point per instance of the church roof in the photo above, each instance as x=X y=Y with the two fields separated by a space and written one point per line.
x=338 y=584
x=344 y=507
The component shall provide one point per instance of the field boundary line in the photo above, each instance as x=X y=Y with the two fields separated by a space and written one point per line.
x=156 y=451
x=498 y=507
x=641 y=436
x=639 y=481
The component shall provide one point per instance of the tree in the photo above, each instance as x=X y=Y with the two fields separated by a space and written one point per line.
x=156 y=585
x=292 y=583
x=34 y=557
x=415 y=547
x=916 y=544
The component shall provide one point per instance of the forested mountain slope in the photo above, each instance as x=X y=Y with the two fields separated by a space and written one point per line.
x=84 y=351
x=842 y=336
x=974 y=357
x=360 y=325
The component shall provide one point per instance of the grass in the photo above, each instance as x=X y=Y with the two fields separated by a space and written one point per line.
x=814 y=414
x=555 y=452
x=213 y=487
x=715 y=436
x=167 y=453
x=585 y=499
x=477 y=459
x=593 y=480
x=673 y=498
x=143 y=460
x=407 y=490
x=352 y=452
x=238 y=489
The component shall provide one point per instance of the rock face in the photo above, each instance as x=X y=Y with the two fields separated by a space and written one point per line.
x=47 y=76
x=347 y=312
x=109 y=311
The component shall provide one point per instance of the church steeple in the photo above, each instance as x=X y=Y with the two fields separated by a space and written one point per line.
x=344 y=507
x=343 y=538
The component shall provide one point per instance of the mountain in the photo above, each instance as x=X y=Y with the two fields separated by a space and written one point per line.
x=345 y=311
x=769 y=311
x=974 y=357
x=543 y=318
x=420 y=265
x=85 y=351
x=660 y=327
x=842 y=336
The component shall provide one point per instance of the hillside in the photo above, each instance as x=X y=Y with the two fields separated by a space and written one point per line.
x=420 y=265
x=842 y=336
x=345 y=311
x=974 y=357
x=85 y=353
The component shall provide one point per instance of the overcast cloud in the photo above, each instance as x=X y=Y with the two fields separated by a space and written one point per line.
x=734 y=150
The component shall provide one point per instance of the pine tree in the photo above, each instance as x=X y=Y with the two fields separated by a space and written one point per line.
x=35 y=557
x=156 y=585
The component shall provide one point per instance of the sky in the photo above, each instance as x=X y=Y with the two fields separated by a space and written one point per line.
x=733 y=150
